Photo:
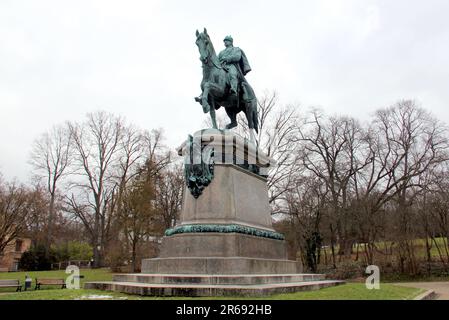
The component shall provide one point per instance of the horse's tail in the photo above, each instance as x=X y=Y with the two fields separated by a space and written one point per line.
x=253 y=107
x=255 y=116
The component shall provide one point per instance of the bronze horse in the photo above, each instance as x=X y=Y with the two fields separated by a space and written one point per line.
x=216 y=89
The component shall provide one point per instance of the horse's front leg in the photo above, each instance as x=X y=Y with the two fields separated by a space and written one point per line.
x=199 y=99
x=205 y=98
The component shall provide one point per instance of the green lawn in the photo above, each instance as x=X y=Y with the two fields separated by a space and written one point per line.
x=354 y=291
x=64 y=294
x=420 y=245
x=343 y=292
x=89 y=275
x=350 y=291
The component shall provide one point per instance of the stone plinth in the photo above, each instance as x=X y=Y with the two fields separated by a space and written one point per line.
x=228 y=228
x=235 y=196
x=220 y=265
x=224 y=242
x=222 y=245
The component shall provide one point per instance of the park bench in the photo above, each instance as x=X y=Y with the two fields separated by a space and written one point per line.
x=49 y=282
x=11 y=284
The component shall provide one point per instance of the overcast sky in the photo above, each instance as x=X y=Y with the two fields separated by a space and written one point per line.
x=62 y=59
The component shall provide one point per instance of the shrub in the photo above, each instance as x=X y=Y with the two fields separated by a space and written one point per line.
x=348 y=270
x=73 y=250
x=36 y=259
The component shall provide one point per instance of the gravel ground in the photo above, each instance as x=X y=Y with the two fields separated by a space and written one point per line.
x=440 y=288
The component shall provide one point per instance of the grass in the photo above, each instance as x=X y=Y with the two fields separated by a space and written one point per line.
x=420 y=245
x=63 y=294
x=354 y=291
x=89 y=275
x=350 y=291
x=418 y=278
x=343 y=292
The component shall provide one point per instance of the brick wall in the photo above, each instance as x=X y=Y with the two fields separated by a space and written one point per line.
x=12 y=253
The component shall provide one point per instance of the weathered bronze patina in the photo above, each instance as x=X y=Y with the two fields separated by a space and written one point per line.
x=224 y=228
x=198 y=168
x=224 y=83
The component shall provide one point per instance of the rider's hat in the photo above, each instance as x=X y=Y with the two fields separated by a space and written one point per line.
x=228 y=38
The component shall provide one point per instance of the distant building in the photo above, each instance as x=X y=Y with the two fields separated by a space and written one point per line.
x=9 y=260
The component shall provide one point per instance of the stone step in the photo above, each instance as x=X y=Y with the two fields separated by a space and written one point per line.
x=243 y=279
x=201 y=290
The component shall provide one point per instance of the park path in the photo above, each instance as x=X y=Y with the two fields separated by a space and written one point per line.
x=440 y=288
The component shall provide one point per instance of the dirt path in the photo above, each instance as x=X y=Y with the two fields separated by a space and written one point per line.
x=440 y=288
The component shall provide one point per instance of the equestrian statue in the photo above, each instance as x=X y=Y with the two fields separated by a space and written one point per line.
x=224 y=83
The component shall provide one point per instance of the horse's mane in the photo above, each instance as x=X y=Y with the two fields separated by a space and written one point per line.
x=205 y=37
x=211 y=45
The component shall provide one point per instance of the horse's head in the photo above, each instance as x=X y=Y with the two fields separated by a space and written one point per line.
x=204 y=45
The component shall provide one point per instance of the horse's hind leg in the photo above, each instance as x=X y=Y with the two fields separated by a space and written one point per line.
x=252 y=137
x=233 y=117
x=251 y=120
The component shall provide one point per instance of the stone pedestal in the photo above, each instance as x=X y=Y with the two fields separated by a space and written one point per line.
x=227 y=229
x=224 y=243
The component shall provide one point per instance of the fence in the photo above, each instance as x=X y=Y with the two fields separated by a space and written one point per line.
x=65 y=264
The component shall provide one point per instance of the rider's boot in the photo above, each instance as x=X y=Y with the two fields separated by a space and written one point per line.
x=233 y=92
x=245 y=94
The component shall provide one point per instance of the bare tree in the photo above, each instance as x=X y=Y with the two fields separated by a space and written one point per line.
x=306 y=207
x=51 y=158
x=157 y=157
x=332 y=149
x=435 y=213
x=14 y=211
x=109 y=155
x=132 y=150
x=138 y=216
x=170 y=186
x=146 y=199
x=98 y=154
x=405 y=142
x=36 y=220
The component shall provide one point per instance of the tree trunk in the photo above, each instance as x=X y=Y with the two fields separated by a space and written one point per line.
x=428 y=254
x=134 y=256
x=96 y=251
x=48 y=238
x=334 y=264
